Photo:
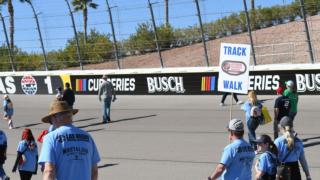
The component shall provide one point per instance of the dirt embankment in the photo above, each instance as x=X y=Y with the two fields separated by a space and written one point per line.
x=284 y=43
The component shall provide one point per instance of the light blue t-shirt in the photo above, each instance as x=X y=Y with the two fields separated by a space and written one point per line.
x=246 y=107
x=30 y=151
x=267 y=163
x=72 y=151
x=296 y=153
x=51 y=128
x=237 y=158
x=7 y=110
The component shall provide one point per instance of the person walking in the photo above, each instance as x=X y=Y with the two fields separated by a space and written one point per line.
x=3 y=155
x=27 y=156
x=266 y=166
x=291 y=92
x=8 y=110
x=59 y=94
x=224 y=96
x=291 y=150
x=107 y=91
x=281 y=108
x=68 y=95
x=253 y=110
x=67 y=152
x=237 y=157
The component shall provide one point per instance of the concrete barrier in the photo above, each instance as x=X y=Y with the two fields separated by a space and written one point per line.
x=263 y=79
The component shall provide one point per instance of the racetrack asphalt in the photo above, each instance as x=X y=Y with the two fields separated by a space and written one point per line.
x=159 y=137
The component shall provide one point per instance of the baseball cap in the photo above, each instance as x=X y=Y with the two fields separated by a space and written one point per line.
x=286 y=121
x=280 y=90
x=290 y=83
x=235 y=125
x=263 y=139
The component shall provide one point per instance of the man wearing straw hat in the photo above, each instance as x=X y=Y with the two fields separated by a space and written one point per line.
x=68 y=152
x=106 y=89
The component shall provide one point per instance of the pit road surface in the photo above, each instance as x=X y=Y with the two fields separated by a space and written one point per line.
x=159 y=137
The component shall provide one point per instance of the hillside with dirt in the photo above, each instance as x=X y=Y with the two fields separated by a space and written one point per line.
x=284 y=43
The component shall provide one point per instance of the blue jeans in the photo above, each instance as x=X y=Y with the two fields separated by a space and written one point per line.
x=2 y=173
x=252 y=126
x=106 y=109
x=292 y=115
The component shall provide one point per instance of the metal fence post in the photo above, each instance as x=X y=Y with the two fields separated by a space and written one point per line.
x=115 y=47
x=249 y=31
x=303 y=13
x=155 y=33
x=75 y=35
x=202 y=33
x=8 y=44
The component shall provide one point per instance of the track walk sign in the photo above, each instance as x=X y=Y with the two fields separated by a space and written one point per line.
x=234 y=68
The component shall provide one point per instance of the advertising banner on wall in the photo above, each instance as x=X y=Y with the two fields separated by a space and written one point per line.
x=29 y=85
x=263 y=82
x=234 y=68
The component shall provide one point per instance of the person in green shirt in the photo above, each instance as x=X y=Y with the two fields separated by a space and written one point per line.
x=293 y=96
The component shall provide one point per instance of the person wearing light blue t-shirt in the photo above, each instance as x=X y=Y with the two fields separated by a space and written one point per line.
x=266 y=166
x=8 y=110
x=67 y=152
x=291 y=150
x=253 y=117
x=237 y=157
x=27 y=156
x=3 y=155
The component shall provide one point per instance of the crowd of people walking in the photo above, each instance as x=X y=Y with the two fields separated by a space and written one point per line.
x=67 y=149
x=276 y=160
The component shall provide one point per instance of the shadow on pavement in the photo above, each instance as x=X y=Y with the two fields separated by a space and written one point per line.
x=88 y=119
x=120 y=120
x=27 y=125
x=311 y=144
x=94 y=130
x=35 y=124
x=134 y=118
x=107 y=165
x=263 y=100
x=311 y=138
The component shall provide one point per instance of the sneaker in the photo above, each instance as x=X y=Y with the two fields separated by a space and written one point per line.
x=10 y=127
x=221 y=104
x=239 y=102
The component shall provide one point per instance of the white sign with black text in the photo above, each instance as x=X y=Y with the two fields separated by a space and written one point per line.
x=234 y=68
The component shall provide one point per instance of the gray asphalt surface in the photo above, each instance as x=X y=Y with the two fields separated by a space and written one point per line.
x=159 y=137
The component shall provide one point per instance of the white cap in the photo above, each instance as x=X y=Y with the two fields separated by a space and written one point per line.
x=290 y=83
x=236 y=125
x=6 y=96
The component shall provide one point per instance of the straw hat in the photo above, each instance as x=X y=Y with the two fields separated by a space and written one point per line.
x=58 y=107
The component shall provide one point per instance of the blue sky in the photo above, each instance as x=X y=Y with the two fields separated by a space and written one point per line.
x=56 y=24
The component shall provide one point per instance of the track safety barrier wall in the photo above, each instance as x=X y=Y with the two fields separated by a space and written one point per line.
x=177 y=81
